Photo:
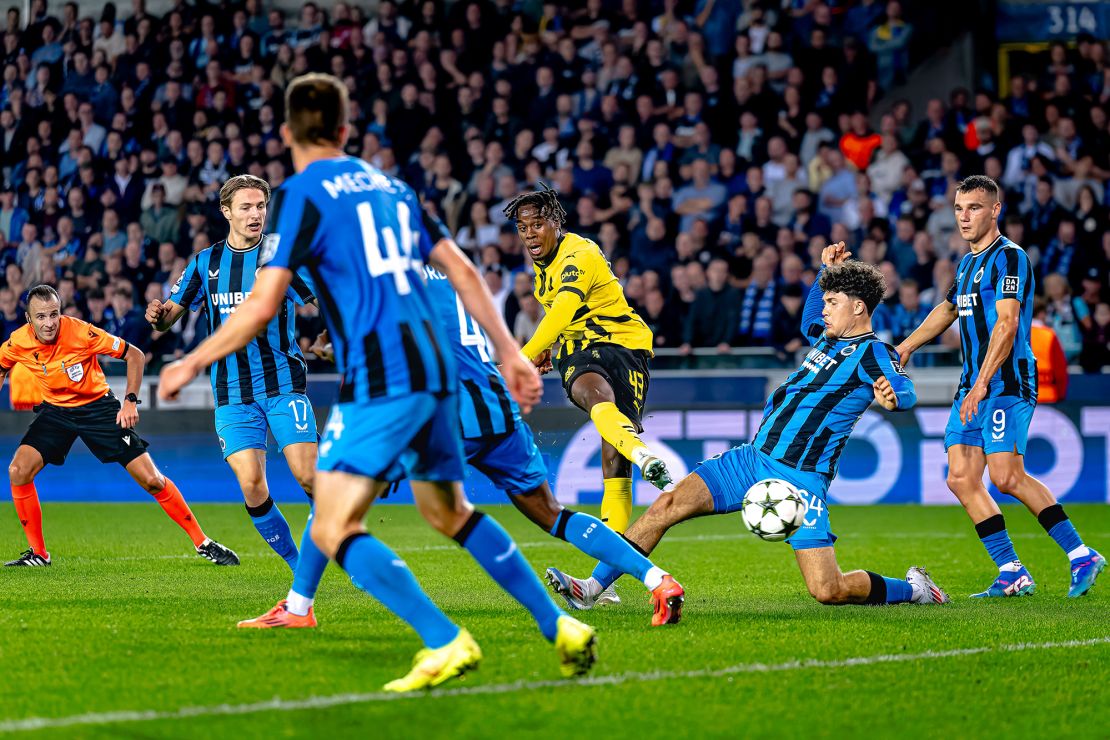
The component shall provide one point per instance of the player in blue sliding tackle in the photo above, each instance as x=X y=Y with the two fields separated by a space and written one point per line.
x=806 y=423
x=498 y=442
x=992 y=297
x=361 y=235
x=262 y=386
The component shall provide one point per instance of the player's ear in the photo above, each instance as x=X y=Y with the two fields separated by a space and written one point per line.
x=286 y=136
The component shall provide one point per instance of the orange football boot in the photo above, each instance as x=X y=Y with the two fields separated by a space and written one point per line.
x=667 y=598
x=280 y=616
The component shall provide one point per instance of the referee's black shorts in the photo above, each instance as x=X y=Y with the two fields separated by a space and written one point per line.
x=55 y=428
x=626 y=371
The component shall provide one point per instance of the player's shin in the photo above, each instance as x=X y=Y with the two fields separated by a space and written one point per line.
x=1059 y=527
x=378 y=571
x=271 y=525
x=173 y=503
x=498 y=555
x=616 y=429
x=27 y=508
x=306 y=576
x=592 y=537
x=616 y=503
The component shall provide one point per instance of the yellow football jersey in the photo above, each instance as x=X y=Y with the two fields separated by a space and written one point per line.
x=578 y=266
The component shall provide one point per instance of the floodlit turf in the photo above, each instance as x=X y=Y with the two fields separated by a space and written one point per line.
x=127 y=621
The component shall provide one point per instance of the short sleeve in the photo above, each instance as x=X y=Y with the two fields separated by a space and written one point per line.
x=188 y=291
x=1012 y=275
x=9 y=358
x=302 y=289
x=951 y=296
x=291 y=230
x=100 y=342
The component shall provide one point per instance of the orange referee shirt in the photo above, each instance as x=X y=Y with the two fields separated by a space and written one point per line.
x=67 y=371
x=1052 y=365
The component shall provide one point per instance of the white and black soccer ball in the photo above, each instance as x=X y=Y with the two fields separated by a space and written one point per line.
x=773 y=510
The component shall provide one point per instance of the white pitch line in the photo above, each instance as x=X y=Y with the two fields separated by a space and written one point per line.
x=323 y=702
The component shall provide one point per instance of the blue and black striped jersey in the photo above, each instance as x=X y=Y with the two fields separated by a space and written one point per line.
x=485 y=406
x=361 y=236
x=808 y=419
x=218 y=279
x=1001 y=271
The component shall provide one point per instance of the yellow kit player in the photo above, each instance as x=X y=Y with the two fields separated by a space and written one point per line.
x=605 y=345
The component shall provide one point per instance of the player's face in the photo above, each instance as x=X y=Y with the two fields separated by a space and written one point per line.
x=45 y=318
x=841 y=314
x=539 y=234
x=246 y=214
x=976 y=214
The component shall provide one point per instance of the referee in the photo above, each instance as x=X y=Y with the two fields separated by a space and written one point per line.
x=61 y=353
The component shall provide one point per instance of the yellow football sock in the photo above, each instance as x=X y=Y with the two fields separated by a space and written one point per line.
x=616 y=429
x=616 y=504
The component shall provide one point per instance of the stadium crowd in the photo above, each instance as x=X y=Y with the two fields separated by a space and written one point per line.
x=711 y=148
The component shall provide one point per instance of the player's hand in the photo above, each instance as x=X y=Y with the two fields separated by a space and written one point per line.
x=884 y=395
x=543 y=362
x=835 y=254
x=128 y=415
x=322 y=347
x=155 y=310
x=970 y=406
x=174 y=377
x=904 y=353
x=523 y=380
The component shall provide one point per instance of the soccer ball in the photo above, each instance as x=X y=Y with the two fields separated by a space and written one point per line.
x=773 y=510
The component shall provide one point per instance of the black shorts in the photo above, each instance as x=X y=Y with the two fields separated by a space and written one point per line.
x=626 y=370
x=55 y=429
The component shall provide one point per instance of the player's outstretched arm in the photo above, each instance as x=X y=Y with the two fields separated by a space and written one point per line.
x=523 y=380
x=234 y=333
x=812 y=323
x=893 y=389
x=935 y=324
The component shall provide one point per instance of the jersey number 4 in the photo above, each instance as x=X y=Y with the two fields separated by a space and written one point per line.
x=397 y=257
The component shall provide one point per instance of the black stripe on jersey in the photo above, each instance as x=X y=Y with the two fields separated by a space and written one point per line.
x=817 y=449
x=418 y=378
x=571 y=289
x=784 y=417
x=815 y=330
x=965 y=333
x=375 y=365
x=982 y=334
x=436 y=229
x=481 y=411
x=306 y=229
x=813 y=422
x=580 y=313
x=596 y=328
x=871 y=364
x=300 y=287
x=1028 y=390
x=835 y=459
x=269 y=364
x=502 y=400
x=216 y=255
x=780 y=392
x=331 y=309
x=242 y=359
x=191 y=288
x=619 y=319
x=440 y=363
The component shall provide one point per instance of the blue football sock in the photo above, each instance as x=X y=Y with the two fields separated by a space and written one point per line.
x=496 y=552
x=888 y=590
x=589 y=535
x=897 y=590
x=605 y=574
x=378 y=571
x=1060 y=528
x=310 y=564
x=992 y=533
x=268 y=520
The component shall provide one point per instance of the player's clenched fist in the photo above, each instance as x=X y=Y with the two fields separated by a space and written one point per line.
x=884 y=395
x=835 y=254
x=155 y=310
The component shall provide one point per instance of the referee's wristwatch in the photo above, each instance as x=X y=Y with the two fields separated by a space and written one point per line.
x=132 y=398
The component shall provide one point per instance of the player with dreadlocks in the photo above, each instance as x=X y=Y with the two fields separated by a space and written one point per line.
x=605 y=347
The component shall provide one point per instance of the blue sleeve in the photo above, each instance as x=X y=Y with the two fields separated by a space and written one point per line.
x=812 y=325
x=188 y=291
x=302 y=289
x=432 y=230
x=878 y=361
x=291 y=230
x=1013 y=275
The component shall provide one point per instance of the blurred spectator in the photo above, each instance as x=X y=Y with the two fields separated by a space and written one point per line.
x=1095 y=355
x=713 y=316
x=1067 y=315
x=1052 y=366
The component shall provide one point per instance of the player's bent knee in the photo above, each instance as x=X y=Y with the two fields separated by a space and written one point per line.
x=830 y=593
x=19 y=474
x=1007 y=481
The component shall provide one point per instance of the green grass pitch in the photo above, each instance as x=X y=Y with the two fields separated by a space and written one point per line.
x=128 y=635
